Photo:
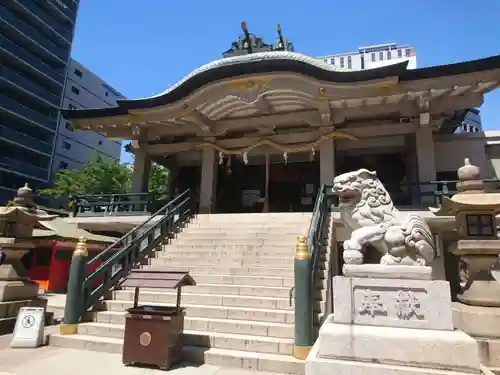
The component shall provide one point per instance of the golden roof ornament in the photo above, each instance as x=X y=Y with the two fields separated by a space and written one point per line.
x=469 y=177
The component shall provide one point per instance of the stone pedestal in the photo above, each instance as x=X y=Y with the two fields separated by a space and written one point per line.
x=482 y=323
x=16 y=290
x=391 y=320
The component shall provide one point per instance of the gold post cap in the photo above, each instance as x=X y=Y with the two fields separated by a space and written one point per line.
x=301 y=249
x=81 y=247
x=243 y=25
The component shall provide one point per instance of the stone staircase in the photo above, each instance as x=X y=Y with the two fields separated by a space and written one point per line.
x=239 y=314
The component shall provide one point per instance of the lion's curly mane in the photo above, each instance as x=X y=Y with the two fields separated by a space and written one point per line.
x=375 y=203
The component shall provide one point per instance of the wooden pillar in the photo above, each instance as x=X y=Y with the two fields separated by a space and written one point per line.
x=327 y=162
x=141 y=171
x=208 y=180
x=426 y=163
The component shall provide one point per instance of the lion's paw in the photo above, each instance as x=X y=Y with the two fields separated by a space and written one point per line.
x=352 y=257
x=389 y=260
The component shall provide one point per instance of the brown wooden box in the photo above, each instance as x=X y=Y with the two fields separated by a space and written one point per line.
x=153 y=334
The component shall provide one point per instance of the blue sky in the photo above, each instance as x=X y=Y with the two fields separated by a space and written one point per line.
x=143 y=47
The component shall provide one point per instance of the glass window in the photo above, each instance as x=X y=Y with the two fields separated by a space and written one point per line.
x=479 y=225
x=75 y=90
x=332 y=61
x=407 y=52
x=349 y=62
x=342 y=62
x=68 y=126
x=66 y=145
x=381 y=55
x=373 y=56
x=63 y=165
x=400 y=53
x=78 y=73
x=389 y=55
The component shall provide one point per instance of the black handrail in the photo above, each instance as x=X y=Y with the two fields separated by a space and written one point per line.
x=315 y=235
x=134 y=246
x=111 y=204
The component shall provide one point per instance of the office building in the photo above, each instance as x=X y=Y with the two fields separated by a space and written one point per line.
x=74 y=148
x=371 y=57
x=376 y=56
x=35 y=45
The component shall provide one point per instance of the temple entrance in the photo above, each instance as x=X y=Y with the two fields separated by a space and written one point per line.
x=240 y=187
x=279 y=187
x=390 y=168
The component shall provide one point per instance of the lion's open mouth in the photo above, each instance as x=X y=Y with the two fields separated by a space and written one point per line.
x=347 y=196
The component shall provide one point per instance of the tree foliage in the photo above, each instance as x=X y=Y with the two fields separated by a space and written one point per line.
x=158 y=181
x=105 y=176
x=100 y=176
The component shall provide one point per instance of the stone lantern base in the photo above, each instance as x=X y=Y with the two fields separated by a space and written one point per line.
x=16 y=289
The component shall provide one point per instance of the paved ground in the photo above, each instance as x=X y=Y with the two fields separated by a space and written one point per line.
x=57 y=361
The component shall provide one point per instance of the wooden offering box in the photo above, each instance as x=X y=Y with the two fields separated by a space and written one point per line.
x=153 y=334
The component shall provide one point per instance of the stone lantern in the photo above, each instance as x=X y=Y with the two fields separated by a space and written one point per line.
x=478 y=245
x=17 y=222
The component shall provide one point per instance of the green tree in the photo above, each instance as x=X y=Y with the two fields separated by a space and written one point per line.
x=159 y=181
x=100 y=176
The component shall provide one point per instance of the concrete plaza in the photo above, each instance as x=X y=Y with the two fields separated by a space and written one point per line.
x=59 y=361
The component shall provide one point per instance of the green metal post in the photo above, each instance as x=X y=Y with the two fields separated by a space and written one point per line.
x=303 y=300
x=74 y=297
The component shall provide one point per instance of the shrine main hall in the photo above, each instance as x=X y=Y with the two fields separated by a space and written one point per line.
x=260 y=132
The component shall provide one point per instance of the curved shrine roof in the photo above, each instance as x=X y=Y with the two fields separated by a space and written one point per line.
x=279 y=61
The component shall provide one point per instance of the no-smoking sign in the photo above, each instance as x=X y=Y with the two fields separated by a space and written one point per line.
x=28 y=321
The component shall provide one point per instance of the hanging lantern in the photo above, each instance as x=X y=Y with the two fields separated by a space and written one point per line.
x=245 y=158
x=221 y=158
x=229 y=171
x=313 y=154
x=285 y=156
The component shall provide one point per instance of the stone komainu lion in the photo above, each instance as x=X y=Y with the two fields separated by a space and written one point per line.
x=367 y=209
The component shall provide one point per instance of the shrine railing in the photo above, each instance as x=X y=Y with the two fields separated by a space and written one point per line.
x=307 y=257
x=116 y=204
x=86 y=287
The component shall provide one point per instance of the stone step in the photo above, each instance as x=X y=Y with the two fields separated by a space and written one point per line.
x=269 y=226
x=248 y=280
x=239 y=290
x=218 y=357
x=248 y=271
x=260 y=344
x=214 y=253
x=210 y=311
x=234 y=221
x=253 y=216
x=266 y=242
x=169 y=298
x=225 y=279
x=489 y=350
x=267 y=329
x=229 y=247
x=240 y=230
x=236 y=235
x=229 y=261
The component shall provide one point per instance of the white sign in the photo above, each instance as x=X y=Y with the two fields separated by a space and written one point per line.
x=29 y=329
